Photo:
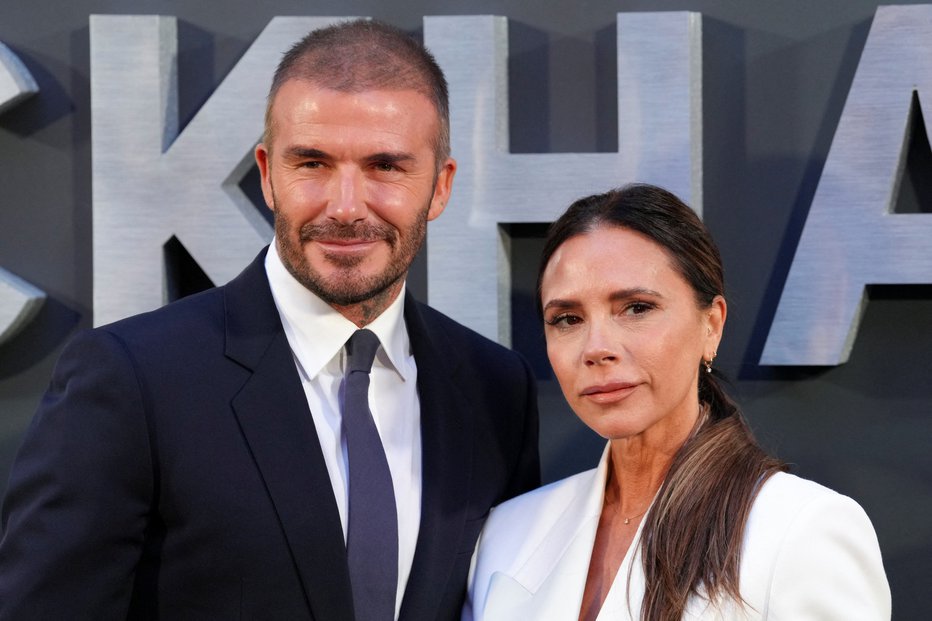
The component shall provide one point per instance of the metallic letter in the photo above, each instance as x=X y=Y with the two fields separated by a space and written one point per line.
x=150 y=182
x=659 y=137
x=16 y=83
x=852 y=238
x=19 y=301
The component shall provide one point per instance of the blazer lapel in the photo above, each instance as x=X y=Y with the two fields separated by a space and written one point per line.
x=549 y=583
x=446 y=455
x=558 y=595
x=274 y=417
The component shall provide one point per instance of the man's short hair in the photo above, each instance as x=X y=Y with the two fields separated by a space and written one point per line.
x=363 y=55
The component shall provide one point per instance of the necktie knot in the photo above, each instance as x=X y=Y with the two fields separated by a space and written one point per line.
x=360 y=351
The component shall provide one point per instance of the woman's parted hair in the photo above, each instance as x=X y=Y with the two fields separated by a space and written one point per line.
x=656 y=213
x=691 y=540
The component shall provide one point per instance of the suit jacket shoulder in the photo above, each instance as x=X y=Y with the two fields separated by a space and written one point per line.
x=810 y=552
x=460 y=343
x=241 y=309
x=173 y=467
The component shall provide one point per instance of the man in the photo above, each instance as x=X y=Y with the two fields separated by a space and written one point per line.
x=193 y=462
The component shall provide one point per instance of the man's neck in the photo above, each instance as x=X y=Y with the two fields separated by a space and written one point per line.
x=367 y=311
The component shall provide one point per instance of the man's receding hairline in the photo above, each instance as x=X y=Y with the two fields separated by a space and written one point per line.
x=317 y=84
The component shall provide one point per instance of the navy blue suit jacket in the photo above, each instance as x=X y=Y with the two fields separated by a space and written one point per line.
x=173 y=471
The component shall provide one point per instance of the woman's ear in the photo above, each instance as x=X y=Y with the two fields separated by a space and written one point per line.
x=715 y=316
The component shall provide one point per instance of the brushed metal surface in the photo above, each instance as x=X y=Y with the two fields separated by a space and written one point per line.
x=659 y=137
x=851 y=237
x=16 y=83
x=151 y=182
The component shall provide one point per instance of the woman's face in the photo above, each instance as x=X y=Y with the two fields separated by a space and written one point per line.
x=625 y=335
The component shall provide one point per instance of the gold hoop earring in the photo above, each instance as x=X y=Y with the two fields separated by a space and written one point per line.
x=708 y=363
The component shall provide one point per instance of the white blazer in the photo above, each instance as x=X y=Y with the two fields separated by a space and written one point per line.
x=808 y=554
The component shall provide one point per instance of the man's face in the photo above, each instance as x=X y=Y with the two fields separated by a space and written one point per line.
x=353 y=180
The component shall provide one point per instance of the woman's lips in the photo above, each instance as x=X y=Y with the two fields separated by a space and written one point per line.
x=608 y=393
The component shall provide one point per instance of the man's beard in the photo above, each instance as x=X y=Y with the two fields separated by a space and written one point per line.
x=348 y=286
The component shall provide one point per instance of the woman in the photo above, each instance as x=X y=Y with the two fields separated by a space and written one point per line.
x=685 y=517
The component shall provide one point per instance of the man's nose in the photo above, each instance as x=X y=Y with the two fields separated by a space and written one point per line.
x=346 y=202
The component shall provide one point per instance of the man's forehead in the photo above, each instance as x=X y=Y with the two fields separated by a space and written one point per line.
x=306 y=86
x=299 y=101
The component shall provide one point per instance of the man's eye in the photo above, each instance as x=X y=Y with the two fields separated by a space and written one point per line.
x=384 y=166
x=312 y=164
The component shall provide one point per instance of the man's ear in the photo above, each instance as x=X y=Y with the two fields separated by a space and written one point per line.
x=263 y=158
x=442 y=188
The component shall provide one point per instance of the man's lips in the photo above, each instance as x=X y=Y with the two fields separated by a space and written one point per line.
x=346 y=245
x=605 y=393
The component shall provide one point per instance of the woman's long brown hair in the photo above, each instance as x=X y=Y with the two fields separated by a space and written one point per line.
x=692 y=536
x=691 y=540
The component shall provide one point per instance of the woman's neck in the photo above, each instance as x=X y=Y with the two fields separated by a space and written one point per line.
x=639 y=464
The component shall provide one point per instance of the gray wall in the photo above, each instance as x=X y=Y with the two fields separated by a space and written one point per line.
x=776 y=75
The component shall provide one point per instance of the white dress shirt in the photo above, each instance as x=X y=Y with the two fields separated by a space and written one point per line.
x=317 y=335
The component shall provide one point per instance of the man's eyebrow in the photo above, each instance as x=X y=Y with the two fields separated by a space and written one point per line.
x=311 y=153
x=297 y=152
x=391 y=157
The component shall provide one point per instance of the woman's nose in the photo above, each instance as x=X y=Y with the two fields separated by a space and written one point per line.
x=600 y=349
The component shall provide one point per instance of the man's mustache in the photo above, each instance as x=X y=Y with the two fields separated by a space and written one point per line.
x=358 y=231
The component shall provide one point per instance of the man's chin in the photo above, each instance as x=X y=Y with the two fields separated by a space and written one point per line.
x=349 y=287
x=339 y=297
x=344 y=268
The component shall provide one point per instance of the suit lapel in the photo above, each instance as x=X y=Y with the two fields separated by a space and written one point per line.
x=274 y=417
x=549 y=583
x=446 y=455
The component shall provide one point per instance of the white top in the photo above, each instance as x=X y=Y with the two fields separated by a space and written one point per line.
x=317 y=335
x=809 y=554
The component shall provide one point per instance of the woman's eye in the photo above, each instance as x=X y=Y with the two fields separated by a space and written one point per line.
x=564 y=320
x=638 y=308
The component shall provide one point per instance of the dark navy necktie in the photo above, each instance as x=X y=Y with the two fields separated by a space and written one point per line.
x=372 y=533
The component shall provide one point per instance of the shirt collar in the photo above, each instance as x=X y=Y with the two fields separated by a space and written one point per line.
x=317 y=332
